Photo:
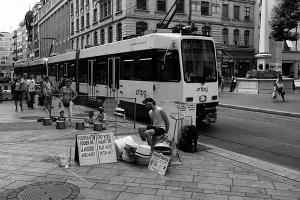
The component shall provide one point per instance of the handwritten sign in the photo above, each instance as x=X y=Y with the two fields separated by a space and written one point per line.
x=106 y=148
x=95 y=148
x=158 y=163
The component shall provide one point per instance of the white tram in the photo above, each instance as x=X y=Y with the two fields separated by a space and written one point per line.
x=164 y=66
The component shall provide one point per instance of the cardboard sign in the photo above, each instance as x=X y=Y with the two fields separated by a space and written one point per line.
x=86 y=149
x=158 y=163
x=95 y=148
x=106 y=148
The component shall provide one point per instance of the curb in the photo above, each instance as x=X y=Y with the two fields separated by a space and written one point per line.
x=253 y=162
x=273 y=112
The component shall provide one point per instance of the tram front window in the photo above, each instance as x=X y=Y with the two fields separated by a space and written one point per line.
x=198 y=59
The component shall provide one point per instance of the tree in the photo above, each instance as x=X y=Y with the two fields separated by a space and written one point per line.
x=285 y=17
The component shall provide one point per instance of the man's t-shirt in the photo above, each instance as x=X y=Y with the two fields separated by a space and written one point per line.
x=157 y=118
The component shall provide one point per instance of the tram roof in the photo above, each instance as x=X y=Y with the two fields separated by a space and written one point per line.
x=151 y=41
x=62 y=57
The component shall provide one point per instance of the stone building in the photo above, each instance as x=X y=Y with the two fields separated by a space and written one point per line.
x=6 y=50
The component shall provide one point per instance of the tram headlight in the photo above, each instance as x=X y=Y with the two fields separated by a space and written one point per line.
x=202 y=98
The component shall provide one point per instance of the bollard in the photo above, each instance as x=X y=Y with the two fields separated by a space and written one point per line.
x=98 y=126
x=79 y=126
x=60 y=125
x=46 y=121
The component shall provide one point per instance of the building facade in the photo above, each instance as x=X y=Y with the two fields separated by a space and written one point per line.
x=53 y=22
x=6 y=50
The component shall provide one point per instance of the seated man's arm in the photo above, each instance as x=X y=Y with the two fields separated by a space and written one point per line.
x=166 y=120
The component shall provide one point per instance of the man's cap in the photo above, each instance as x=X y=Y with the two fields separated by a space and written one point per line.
x=148 y=100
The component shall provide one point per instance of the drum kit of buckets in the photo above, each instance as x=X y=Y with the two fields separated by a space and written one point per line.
x=79 y=125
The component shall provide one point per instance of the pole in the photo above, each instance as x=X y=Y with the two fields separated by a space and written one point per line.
x=190 y=12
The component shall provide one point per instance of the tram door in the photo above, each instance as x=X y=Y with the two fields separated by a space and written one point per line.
x=113 y=76
x=91 y=82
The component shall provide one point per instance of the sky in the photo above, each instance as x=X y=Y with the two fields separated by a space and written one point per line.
x=12 y=12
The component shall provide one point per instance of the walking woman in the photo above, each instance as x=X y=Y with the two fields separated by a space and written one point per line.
x=279 y=83
x=67 y=95
x=48 y=93
x=18 y=92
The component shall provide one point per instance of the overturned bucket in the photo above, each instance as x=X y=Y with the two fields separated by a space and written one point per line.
x=98 y=127
x=46 y=121
x=60 y=125
x=79 y=126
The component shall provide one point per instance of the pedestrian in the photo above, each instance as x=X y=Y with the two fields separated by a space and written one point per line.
x=48 y=93
x=61 y=116
x=90 y=120
x=279 y=83
x=1 y=95
x=41 y=97
x=25 y=95
x=31 y=91
x=67 y=95
x=233 y=83
x=160 y=122
x=62 y=82
x=17 y=92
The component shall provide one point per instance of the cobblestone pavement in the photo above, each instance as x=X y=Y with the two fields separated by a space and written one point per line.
x=29 y=152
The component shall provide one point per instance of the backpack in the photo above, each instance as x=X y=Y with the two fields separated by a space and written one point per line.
x=188 y=139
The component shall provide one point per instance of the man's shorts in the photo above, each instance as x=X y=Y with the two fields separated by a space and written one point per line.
x=157 y=131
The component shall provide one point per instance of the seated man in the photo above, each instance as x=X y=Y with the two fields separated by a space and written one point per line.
x=160 y=122
x=90 y=120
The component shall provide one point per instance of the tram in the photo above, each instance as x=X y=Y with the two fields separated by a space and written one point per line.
x=164 y=66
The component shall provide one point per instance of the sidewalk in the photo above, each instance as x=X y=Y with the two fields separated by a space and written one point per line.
x=28 y=151
x=262 y=103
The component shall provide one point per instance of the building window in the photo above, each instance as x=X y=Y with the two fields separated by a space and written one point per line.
x=95 y=16
x=119 y=5
x=95 y=38
x=236 y=12
x=105 y=9
x=77 y=24
x=72 y=27
x=82 y=39
x=82 y=22
x=87 y=19
x=161 y=5
x=119 y=31
x=225 y=36
x=180 y=8
x=87 y=40
x=77 y=43
x=246 y=37
x=141 y=27
x=110 y=34
x=204 y=8
x=236 y=36
x=247 y=13
x=206 y=30
x=141 y=4
x=81 y=4
x=225 y=11
x=77 y=5
x=72 y=44
x=102 y=33
x=72 y=9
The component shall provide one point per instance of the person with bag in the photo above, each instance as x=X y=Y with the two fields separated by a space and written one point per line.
x=67 y=95
x=188 y=140
x=279 y=83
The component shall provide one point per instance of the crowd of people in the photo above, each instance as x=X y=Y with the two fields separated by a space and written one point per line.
x=26 y=87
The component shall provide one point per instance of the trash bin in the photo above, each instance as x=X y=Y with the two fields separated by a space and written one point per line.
x=6 y=95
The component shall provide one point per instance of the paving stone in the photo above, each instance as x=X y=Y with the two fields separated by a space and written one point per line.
x=212 y=180
x=150 y=181
x=251 y=183
x=284 y=198
x=239 y=176
x=153 y=186
x=214 y=174
x=284 y=193
x=213 y=186
x=18 y=184
x=116 y=182
x=109 y=187
x=284 y=186
x=99 y=194
x=149 y=175
x=141 y=190
x=209 y=196
x=132 y=184
x=129 y=196
x=180 y=184
x=264 y=196
x=248 y=189
x=81 y=184
x=173 y=193
x=120 y=178
x=5 y=182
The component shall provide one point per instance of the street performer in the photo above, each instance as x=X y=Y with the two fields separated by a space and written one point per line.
x=160 y=122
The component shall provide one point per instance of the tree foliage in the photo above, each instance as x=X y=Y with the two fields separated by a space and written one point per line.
x=285 y=17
